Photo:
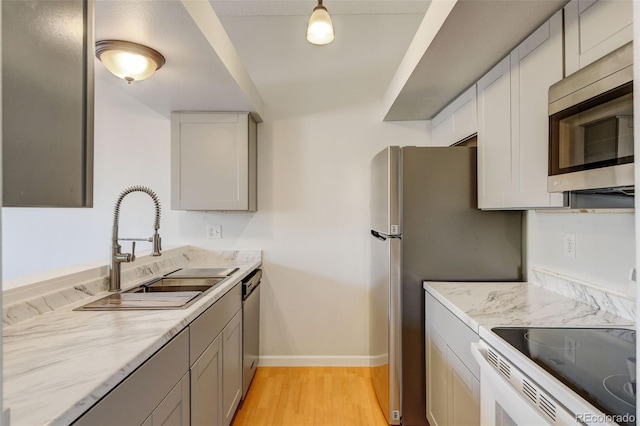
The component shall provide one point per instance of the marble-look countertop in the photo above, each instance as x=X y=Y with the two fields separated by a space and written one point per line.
x=59 y=363
x=489 y=304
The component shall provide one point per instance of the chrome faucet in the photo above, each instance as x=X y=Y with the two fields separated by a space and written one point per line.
x=117 y=257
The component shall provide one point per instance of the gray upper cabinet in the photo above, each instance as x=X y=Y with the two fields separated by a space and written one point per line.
x=586 y=38
x=47 y=103
x=513 y=124
x=213 y=161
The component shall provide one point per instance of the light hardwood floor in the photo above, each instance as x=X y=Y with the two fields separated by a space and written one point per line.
x=310 y=396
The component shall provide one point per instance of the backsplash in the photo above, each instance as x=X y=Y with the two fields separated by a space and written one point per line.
x=607 y=300
x=39 y=298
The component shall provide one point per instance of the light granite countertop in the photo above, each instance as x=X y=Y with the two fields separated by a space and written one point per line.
x=489 y=304
x=58 y=363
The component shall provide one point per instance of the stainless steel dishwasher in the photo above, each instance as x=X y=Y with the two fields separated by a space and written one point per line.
x=250 y=328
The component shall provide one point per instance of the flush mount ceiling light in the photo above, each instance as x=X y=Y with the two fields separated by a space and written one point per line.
x=129 y=61
x=320 y=28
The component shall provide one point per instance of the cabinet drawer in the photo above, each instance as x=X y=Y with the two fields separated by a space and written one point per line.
x=455 y=333
x=207 y=326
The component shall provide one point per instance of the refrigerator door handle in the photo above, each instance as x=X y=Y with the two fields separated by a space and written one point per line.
x=383 y=237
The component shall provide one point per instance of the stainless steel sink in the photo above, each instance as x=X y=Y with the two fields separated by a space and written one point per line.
x=194 y=273
x=164 y=285
x=161 y=293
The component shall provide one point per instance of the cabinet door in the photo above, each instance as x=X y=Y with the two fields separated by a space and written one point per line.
x=536 y=64
x=465 y=115
x=464 y=393
x=442 y=128
x=231 y=367
x=47 y=96
x=494 y=136
x=457 y=121
x=587 y=37
x=437 y=380
x=206 y=386
x=211 y=158
x=174 y=409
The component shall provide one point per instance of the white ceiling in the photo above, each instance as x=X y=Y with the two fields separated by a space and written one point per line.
x=194 y=77
x=471 y=38
x=204 y=71
x=304 y=7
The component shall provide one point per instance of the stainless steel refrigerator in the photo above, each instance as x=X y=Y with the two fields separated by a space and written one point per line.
x=425 y=225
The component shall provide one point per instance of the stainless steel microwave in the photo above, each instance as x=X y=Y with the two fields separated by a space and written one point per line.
x=591 y=126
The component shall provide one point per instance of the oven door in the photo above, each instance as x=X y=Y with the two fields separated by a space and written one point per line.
x=503 y=404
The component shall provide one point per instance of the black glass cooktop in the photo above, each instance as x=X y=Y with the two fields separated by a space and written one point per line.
x=597 y=363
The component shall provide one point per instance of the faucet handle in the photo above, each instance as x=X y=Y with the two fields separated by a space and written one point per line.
x=157 y=244
x=133 y=251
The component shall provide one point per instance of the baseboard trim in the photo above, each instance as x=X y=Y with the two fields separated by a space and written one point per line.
x=315 y=361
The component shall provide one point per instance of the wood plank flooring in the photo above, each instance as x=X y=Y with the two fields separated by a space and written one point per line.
x=310 y=396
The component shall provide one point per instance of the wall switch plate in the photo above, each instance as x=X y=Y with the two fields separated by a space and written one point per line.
x=214 y=231
x=569 y=245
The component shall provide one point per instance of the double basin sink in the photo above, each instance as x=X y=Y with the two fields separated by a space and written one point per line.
x=176 y=290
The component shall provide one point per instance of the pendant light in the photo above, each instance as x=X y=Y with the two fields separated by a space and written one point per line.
x=320 y=28
x=127 y=60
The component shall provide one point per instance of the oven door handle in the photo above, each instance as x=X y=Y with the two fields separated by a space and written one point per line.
x=479 y=353
x=496 y=383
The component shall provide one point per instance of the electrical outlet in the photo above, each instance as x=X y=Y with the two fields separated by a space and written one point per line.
x=569 y=245
x=214 y=231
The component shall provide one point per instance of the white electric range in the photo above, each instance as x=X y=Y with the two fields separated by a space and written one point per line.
x=557 y=376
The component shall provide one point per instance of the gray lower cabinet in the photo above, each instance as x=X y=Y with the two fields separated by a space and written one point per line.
x=206 y=386
x=232 y=367
x=453 y=385
x=195 y=379
x=157 y=393
x=216 y=361
x=174 y=410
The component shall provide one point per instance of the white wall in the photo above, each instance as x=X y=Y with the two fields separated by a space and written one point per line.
x=323 y=112
x=604 y=246
x=322 y=127
x=131 y=148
